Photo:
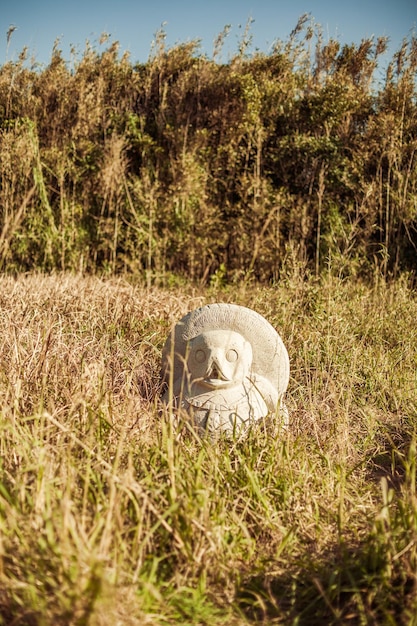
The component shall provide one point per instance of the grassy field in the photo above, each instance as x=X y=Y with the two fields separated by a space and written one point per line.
x=109 y=516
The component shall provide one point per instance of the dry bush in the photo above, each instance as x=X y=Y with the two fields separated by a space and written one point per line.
x=186 y=166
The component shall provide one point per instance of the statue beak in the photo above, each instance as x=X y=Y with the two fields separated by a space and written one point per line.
x=215 y=373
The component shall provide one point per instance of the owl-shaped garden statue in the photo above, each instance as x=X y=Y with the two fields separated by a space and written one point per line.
x=225 y=367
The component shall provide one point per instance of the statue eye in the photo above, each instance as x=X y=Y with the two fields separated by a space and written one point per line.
x=232 y=356
x=200 y=356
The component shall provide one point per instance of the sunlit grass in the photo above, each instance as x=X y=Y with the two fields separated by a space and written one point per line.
x=109 y=515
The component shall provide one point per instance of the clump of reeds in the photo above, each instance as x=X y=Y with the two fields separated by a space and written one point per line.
x=188 y=165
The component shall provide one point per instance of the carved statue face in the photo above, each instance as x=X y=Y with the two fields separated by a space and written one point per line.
x=219 y=359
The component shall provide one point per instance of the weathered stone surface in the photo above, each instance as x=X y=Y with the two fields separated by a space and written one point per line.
x=226 y=367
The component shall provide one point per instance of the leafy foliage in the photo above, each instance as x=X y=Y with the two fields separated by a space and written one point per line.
x=184 y=164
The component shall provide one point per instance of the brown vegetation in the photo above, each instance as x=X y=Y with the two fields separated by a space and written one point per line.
x=187 y=166
x=109 y=516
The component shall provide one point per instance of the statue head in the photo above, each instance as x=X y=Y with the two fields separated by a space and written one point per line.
x=218 y=359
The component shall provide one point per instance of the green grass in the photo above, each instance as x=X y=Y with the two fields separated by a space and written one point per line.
x=109 y=515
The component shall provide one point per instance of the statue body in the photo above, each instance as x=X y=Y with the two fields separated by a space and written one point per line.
x=218 y=376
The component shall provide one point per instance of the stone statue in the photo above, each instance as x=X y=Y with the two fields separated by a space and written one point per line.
x=226 y=367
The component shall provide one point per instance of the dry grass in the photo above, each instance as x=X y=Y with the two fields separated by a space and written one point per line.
x=108 y=516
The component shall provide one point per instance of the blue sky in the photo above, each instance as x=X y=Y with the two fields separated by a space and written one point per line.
x=134 y=22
